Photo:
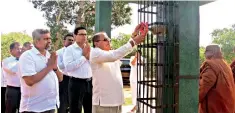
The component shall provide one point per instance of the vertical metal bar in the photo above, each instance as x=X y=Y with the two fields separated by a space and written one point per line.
x=176 y=54
x=151 y=91
x=161 y=59
x=167 y=51
x=147 y=86
x=142 y=77
x=144 y=85
x=138 y=77
x=157 y=61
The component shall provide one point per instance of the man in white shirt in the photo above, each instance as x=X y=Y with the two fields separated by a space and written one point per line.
x=63 y=85
x=78 y=67
x=39 y=76
x=26 y=46
x=10 y=68
x=3 y=90
x=108 y=95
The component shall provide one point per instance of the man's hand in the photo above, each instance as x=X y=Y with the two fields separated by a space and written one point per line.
x=52 y=61
x=86 y=50
x=136 y=31
x=144 y=31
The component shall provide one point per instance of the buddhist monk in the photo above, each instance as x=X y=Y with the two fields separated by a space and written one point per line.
x=233 y=68
x=216 y=87
x=233 y=65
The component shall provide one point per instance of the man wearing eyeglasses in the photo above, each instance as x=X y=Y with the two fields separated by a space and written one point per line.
x=108 y=95
x=76 y=61
x=63 y=85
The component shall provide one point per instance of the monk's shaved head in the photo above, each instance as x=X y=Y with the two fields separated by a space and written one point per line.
x=213 y=51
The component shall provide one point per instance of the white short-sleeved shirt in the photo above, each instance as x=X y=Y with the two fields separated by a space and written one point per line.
x=43 y=95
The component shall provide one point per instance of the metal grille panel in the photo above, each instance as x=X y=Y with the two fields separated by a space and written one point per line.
x=157 y=86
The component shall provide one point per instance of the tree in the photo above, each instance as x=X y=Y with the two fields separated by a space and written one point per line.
x=81 y=13
x=9 y=38
x=202 y=55
x=226 y=39
x=121 y=40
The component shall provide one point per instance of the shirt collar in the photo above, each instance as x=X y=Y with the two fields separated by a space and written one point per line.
x=35 y=50
x=76 y=45
x=12 y=57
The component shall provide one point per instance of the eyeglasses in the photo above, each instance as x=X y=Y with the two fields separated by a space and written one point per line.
x=105 y=39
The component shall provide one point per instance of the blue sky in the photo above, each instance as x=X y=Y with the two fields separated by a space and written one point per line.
x=19 y=16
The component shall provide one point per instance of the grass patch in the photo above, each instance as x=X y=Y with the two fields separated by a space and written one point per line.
x=128 y=101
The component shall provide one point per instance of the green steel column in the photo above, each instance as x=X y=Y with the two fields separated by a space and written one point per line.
x=188 y=56
x=103 y=11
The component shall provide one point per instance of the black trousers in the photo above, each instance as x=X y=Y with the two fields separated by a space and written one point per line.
x=12 y=99
x=64 y=96
x=49 y=111
x=3 y=106
x=80 y=94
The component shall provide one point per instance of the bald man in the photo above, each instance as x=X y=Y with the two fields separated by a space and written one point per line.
x=216 y=87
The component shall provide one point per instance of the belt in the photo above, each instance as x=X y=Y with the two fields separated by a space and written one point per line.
x=81 y=79
x=13 y=87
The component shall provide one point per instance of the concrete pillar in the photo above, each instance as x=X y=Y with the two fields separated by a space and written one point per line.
x=103 y=21
x=188 y=16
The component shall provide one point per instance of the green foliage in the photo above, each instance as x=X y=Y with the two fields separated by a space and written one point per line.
x=9 y=38
x=80 y=13
x=202 y=55
x=72 y=11
x=226 y=39
x=121 y=40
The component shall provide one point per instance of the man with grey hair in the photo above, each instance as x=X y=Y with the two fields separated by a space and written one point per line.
x=39 y=76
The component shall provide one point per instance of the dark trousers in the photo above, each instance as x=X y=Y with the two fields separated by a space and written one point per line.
x=12 y=99
x=3 y=106
x=49 y=111
x=64 y=96
x=80 y=94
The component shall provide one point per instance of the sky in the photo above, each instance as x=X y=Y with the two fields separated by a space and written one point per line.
x=20 y=16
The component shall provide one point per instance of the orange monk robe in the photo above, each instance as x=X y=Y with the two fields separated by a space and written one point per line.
x=216 y=87
x=233 y=69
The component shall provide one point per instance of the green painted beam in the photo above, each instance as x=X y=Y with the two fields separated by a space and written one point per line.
x=201 y=2
x=103 y=21
x=188 y=16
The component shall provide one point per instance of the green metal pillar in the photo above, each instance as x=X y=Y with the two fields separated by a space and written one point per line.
x=103 y=11
x=188 y=56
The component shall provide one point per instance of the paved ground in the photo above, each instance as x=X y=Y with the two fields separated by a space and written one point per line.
x=126 y=109
x=127 y=106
